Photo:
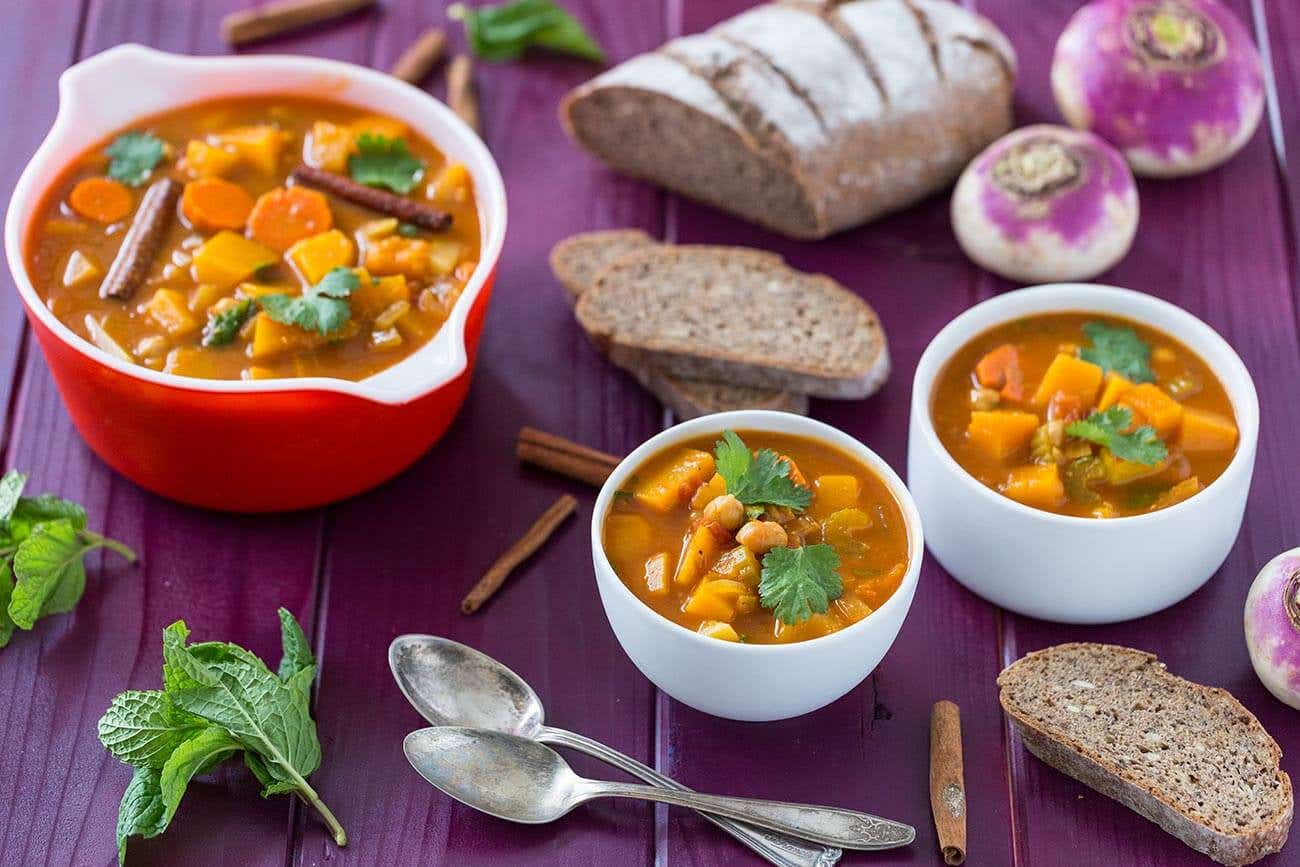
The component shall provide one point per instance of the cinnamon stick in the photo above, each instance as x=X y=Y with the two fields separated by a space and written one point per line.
x=416 y=61
x=947 y=787
x=555 y=453
x=143 y=239
x=407 y=210
x=462 y=96
x=517 y=553
x=272 y=19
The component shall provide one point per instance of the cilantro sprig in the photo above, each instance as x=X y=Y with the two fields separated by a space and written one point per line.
x=384 y=162
x=1118 y=348
x=134 y=155
x=506 y=30
x=217 y=701
x=222 y=327
x=322 y=308
x=43 y=542
x=757 y=480
x=800 y=582
x=1110 y=428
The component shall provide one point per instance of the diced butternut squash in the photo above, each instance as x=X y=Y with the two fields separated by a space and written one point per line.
x=271 y=338
x=227 y=258
x=1179 y=492
x=193 y=361
x=627 y=536
x=1121 y=472
x=1072 y=375
x=719 y=630
x=657 y=574
x=376 y=294
x=80 y=269
x=707 y=492
x=851 y=608
x=1038 y=485
x=168 y=309
x=203 y=160
x=204 y=296
x=328 y=146
x=700 y=552
x=257 y=290
x=1116 y=387
x=677 y=484
x=708 y=603
x=1151 y=405
x=397 y=255
x=258 y=146
x=316 y=256
x=1001 y=433
x=738 y=564
x=452 y=185
x=374 y=124
x=444 y=254
x=1204 y=431
x=834 y=492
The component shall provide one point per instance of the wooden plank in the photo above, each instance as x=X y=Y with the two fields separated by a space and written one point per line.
x=868 y=750
x=401 y=557
x=224 y=574
x=1216 y=245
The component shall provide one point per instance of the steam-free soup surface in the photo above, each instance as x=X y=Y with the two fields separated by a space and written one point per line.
x=243 y=230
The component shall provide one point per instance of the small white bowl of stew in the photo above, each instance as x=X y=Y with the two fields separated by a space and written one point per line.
x=755 y=565
x=1081 y=453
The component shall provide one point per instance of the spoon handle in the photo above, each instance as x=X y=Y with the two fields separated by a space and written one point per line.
x=777 y=849
x=832 y=826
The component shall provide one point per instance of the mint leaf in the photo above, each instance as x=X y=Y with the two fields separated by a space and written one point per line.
x=222 y=327
x=507 y=30
x=142 y=813
x=798 y=582
x=196 y=755
x=143 y=729
x=6 y=590
x=297 y=651
x=49 y=570
x=384 y=162
x=270 y=785
x=134 y=156
x=11 y=489
x=321 y=308
x=1118 y=348
x=1108 y=429
x=757 y=480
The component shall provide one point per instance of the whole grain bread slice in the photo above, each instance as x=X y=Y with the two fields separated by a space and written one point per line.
x=1188 y=757
x=735 y=315
x=577 y=260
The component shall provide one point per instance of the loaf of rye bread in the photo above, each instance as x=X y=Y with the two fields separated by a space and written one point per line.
x=806 y=116
x=1188 y=757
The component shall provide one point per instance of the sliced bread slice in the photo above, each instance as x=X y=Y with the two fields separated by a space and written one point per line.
x=735 y=315
x=1188 y=757
x=577 y=260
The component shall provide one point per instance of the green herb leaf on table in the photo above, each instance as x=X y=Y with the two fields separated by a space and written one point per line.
x=134 y=155
x=1110 y=428
x=384 y=162
x=222 y=327
x=297 y=655
x=7 y=624
x=142 y=728
x=11 y=491
x=142 y=812
x=505 y=31
x=1118 y=348
x=50 y=576
x=762 y=479
x=322 y=308
x=193 y=756
x=800 y=582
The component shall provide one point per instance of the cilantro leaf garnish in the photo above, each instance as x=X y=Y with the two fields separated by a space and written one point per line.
x=1108 y=428
x=762 y=479
x=1118 y=348
x=507 y=30
x=322 y=308
x=800 y=582
x=134 y=156
x=384 y=162
x=222 y=327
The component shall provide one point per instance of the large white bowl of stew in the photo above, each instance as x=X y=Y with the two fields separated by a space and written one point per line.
x=258 y=281
x=755 y=565
x=1081 y=453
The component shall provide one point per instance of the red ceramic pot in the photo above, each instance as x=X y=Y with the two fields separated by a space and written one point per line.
x=264 y=445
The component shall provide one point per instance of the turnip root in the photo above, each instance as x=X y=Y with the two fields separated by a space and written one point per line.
x=1046 y=203
x=1176 y=85
x=1273 y=626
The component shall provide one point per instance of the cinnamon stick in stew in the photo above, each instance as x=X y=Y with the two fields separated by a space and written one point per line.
x=517 y=553
x=554 y=453
x=416 y=61
x=947 y=786
x=407 y=210
x=272 y=19
x=462 y=96
x=143 y=239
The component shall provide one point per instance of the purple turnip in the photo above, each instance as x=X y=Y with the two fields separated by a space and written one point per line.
x=1176 y=85
x=1044 y=204
x=1273 y=626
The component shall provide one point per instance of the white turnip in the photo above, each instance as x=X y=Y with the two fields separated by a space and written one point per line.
x=1273 y=626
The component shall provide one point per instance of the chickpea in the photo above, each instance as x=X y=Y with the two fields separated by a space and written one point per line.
x=727 y=511
x=762 y=536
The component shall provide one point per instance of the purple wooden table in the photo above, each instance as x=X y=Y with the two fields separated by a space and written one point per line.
x=399 y=558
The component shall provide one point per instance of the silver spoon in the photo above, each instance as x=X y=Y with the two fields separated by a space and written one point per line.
x=521 y=780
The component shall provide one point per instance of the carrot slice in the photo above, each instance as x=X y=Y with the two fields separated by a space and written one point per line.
x=211 y=204
x=1000 y=369
x=284 y=216
x=101 y=199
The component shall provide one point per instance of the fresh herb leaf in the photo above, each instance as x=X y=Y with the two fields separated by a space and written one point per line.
x=222 y=327
x=762 y=479
x=49 y=570
x=142 y=728
x=11 y=491
x=134 y=156
x=322 y=308
x=1110 y=428
x=505 y=31
x=1118 y=348
x=798 y=582
x=297 y=655
x=384 y=162
x=407 y=230
x=195 y=755
x=142 y=811
x=270 y=785
x=7 y=624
